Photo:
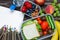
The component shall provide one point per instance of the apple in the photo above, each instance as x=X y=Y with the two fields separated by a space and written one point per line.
x=49 y=9
x=39 y=2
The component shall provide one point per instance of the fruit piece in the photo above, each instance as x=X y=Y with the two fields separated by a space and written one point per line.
x=58 y=14
x=56 y=9
x=49 y=9
x=29 y=11
x=33 y=6
x=57 y=23
x=28 y=5
x=55 y=1
x=55 y=14
x=53 y=4
x=44 y=25
x=24 y=9
x=55 y=35
x=33 y=14
x=45 y=32
x=58 y=5
x=39 y=2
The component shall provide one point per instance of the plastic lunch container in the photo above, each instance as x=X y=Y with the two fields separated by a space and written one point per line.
x=37 y=6
x=43 y=17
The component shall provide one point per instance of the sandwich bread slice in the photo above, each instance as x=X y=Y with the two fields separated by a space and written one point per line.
x=30 y=31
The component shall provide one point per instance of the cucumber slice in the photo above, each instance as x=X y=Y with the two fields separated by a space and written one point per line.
x=50 y=21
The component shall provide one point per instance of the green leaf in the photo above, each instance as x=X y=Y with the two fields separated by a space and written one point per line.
x=27 y=23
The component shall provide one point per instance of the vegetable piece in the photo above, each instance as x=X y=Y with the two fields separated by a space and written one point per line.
x=50 y=21
x=39 y=20
x=45 y=32
x=27 y=23
x=38 y=26
x=44 y=25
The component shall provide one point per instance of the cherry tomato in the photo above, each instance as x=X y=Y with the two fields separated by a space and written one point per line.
x=45 y=32
x=44 y=25
x=38 y=19
x=48 y=28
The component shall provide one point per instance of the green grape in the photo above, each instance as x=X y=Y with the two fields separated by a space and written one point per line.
x=58 y=14
x=56 y=9
x=58 y=5
x=55 y=1
x=54 y=14
x=40 y=11
x=53 y=4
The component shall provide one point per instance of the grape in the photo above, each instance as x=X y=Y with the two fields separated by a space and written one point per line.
x=54 y=14
x=56 y=9
x=58 y=5
x=55 y=1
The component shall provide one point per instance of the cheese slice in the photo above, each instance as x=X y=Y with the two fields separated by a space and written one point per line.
x=30 y=31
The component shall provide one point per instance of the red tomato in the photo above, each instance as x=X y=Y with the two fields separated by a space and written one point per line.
x=38 y=19
x=45 y=32
x=44 y=25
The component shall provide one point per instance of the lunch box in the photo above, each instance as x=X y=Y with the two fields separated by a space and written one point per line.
x=42 y=37
x=37 y=6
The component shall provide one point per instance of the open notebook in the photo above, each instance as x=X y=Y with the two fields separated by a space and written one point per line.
x=13 y=19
